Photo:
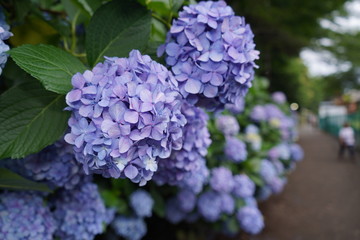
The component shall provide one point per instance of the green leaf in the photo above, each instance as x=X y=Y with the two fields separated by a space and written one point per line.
x=116 y=28
x=31 y=119
x=13 y=181
x=51 y=65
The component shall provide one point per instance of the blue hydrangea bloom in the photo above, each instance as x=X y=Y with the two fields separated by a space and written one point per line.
x=142 y=203
x=267 y=171
x=251 y=202
x=210 y=206
x=264 y=193
x=196 y=180
x=56 y=165
x=244 y=187
x=297 y=153
x=228 y=125
x=186 y=200
x=130 y=228
x=4 y=35
x=250 y=219
x=258 y=113
x=277 y=184
x=173 y=212
x=222 y=180
x=235 y=149
x=236 y=108
x=211 y=53
x=125 y=115
x=253 y=137
x=281 y=151
x=227 y=203
x=278 y=97
x=196 y=140
x=80 y=213
x=23 y=216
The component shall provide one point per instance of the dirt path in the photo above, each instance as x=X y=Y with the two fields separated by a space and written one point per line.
x=322 y=198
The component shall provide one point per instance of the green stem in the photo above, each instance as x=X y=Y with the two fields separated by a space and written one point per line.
x=168 y=25
x=73 y=32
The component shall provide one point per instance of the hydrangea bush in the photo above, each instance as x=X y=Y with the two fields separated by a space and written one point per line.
x=102 y=141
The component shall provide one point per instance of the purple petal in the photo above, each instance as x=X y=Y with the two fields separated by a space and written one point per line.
x=210 y=91
x=124 y=144
x=216 y=79
x=193 y=86
x=86 y=110
x=131 y=116
x=146 y=96
x=172 y=49
x=89 y=90
x=117 y=111
x=73 y=95
x=78 y=80
x=131 y=172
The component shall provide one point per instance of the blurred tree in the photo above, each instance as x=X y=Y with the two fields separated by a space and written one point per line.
x=282 y=28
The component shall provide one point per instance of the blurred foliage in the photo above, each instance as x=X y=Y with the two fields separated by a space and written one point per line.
x=282 y=28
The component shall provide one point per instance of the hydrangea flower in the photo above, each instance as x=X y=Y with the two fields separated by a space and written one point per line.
x=281 y=151
x=244 y=187
x=80 y=213
x=297 y=153
x=125 y=115
x=222 y=180
x=186 y=200
x=211 y=53
x=173 y=213
x=130 y=228
x=235 y=149
x=236 y=108
x=5 y=34
x=23 y=216
x=227 y=203
x=251 y=202
x=267 y=171
x=264 y=193
x=210 y=206
x=196 y=180
x=196 y=139
x=278 y=97
x=258 y=113
x=277 y=184
x=56 y=165
x=228 y=125
x=142 y=203
x=252 y=136
x=250 y=219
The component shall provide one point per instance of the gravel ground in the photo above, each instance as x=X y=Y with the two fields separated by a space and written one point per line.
x=322 y=198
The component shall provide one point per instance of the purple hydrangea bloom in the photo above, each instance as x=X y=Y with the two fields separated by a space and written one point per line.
x=130 y=228
x=222 y=180
x=250 y=220
x=228 y=125
x=297 y=153
x=273 y=112
x=210 y=206
x=125 y=115
x=196 y=140
x=80 y=212
x=267 y=171
x=196 y=180
x=142 y=203
x=56 y=165
x=186 y=200
x=251 y=202
x=278 y=97
x=211 y=53
x=252 y=136
x=23 y=216
x=173 y=212
x=236 y=108
x=258 y=113
x=227 y=203
x=264 y=193
x=4 y=35
x=277 y=184
x=244 y=187
x=235 y=149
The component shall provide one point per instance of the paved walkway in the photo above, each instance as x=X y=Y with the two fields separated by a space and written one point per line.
x=322 y=198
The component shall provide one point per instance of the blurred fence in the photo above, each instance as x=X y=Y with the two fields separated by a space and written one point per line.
x=332 y=124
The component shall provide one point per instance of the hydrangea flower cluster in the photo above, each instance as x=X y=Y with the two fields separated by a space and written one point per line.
x=56 y=165
x=130 y=228
x=228 y=125
x=80 y=213
x=253 y=137
x=196 y=139
x=271 y=177
x=196 y=180
x=142 y=203
x=24 y=216
x=5 y=34
x=250 y=219
x=222 y=180
x=278 y=97
x=125 y=115
x=244 y=187
x=235 y=149
x=297 y=153
x=211 y=53
x=210 y=205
